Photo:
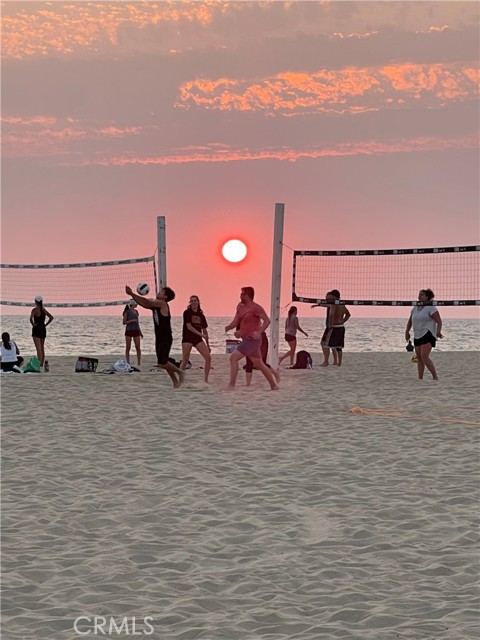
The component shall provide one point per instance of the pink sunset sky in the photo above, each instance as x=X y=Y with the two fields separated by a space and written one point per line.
x=361 y=117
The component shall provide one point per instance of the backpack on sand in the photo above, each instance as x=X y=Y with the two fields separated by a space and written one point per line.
x=303 y=361
x=32 y=366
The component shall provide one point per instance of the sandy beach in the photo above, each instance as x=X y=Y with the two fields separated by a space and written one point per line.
x=344 y=505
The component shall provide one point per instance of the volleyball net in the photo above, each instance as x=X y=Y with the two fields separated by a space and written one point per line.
x=88 y=284
x=388 y=277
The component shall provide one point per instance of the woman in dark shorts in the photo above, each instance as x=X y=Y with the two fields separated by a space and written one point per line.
x=194 y=333
x=132 y=331
x=427 y=327
x=38 y=316
x=291 y=328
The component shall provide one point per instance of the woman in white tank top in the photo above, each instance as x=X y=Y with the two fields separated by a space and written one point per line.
x=10 y=356
x=427 y=327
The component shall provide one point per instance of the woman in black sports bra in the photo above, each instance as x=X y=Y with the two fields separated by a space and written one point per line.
x=39 y=327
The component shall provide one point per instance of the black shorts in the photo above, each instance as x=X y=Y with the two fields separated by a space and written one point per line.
x=193 y=340
x=162 y=349
x=133 y=333
x=8 y=366
x=289 y=337
x=335 y=338
x=39 y=332
x=428 y=338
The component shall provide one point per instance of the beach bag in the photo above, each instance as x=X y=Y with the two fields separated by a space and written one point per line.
x=85 y=364
x=303 y=361
x=32 y=366
x=121 y=366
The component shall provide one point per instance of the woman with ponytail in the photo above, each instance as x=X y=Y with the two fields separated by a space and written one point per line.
x=39 y=327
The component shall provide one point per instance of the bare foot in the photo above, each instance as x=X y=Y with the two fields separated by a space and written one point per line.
x=324 y=364
x=274 y=388
x=181 y=378
x=276 y=374
x=230 y=388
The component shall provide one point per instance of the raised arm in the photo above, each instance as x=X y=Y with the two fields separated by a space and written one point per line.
x=143 y=302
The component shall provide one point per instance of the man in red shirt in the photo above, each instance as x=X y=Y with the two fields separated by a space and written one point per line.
x=250 y=322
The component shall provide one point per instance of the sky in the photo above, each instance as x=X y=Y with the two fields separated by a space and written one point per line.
x=360 y=117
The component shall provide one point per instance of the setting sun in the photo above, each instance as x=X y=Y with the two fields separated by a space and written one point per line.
x=234 y=250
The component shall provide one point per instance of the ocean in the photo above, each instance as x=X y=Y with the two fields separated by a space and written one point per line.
x=104 y=335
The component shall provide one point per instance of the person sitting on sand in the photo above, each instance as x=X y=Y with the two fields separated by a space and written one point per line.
x=10 y=354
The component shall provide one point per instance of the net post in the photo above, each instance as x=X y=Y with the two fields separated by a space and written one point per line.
x=162 y=252
x=276 y=284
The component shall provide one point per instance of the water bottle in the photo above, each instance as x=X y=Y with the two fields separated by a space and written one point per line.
x=46 y=368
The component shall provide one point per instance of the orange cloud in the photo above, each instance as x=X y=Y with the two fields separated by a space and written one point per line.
x=222 y=153
x=40 y=135
x=54 y=28
x=25 y=122
x=84 y=27
x=350 y=89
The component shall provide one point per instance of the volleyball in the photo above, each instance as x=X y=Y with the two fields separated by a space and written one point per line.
x=143 y=289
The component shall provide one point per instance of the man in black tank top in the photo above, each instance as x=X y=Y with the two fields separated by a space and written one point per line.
x=163 y=329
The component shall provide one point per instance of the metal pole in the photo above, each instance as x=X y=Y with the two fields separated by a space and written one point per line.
x=162 y=252
x=276 y=285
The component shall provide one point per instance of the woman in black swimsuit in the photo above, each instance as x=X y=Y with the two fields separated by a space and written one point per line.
x=39 y=327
